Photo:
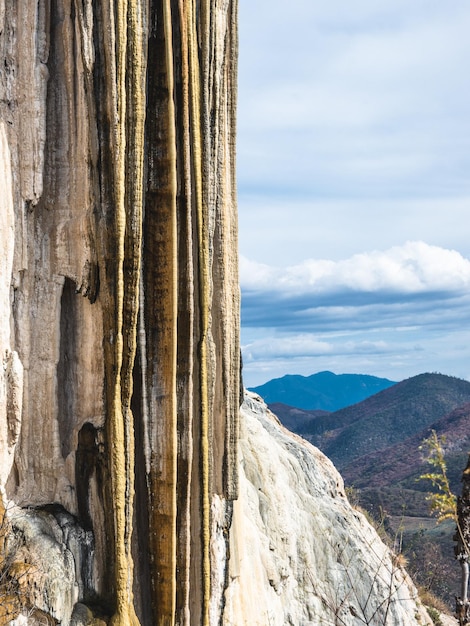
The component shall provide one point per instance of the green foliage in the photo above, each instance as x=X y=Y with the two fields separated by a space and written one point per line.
x=434 y=615
x=443 y=502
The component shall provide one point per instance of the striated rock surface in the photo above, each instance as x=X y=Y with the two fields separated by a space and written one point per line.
x=119 y=298
x=123 y=498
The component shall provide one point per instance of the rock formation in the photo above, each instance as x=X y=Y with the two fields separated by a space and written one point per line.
x=302 y=554
x=119 y=290
x=119 y=322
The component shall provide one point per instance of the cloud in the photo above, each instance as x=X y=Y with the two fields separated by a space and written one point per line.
x=354 y=135
x=297 y=346
x=409 y=270
x=401 y=310
x=287 y=230
x=373 y=101
x=304 y=345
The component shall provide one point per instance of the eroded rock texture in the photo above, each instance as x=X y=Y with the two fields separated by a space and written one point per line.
x=302 y=554
x=119 y=298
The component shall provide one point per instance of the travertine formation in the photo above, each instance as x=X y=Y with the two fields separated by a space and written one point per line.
x=123 y=499
x=119 y=289
x=303 y=555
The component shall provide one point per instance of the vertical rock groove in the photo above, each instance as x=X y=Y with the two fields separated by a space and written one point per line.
x=161 y=312
x=203 y=303
x=66 y=376
x=128 y=177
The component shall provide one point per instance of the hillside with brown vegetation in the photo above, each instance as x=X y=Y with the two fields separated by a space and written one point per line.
x=387 y=418
x=378 y=446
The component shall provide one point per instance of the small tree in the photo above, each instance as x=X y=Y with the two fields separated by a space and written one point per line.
x=443 y=501
x=445 y=505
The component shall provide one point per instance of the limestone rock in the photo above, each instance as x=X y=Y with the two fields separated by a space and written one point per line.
x=119 y=297
x=301 y=554
x=42 y=564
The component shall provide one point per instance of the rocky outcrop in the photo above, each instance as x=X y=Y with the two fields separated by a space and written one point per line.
x=301 y=554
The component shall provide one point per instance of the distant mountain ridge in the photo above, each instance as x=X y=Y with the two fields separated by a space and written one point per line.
x=377 y=446
x=402 y=464
x=380 y=421
x=324 y=391
x=376 y=443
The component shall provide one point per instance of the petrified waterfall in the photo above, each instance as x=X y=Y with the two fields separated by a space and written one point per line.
x=119 y=291
x=132 y=488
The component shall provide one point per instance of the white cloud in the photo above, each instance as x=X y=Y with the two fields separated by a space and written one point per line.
x=392 y=313
x=305 y=345
x=413 y=268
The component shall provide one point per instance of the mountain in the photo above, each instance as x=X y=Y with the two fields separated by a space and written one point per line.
x=403 y=462
x=386 y=418
x=325 y=391
x=295 y=419
x=376 y=444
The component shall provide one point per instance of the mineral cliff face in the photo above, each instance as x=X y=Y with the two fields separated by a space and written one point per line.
x=119 y=322
x=119 y=297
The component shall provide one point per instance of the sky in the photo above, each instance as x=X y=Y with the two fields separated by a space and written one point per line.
x=353 y=163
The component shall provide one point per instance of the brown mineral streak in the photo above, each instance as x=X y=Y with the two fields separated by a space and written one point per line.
x=163 y=471
x=128 y=198
x=186 y=328
x=203 y=267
